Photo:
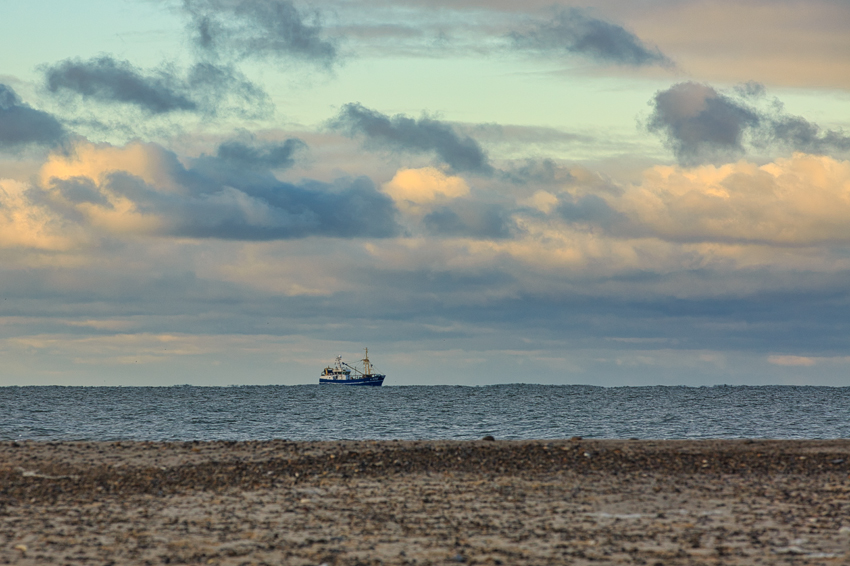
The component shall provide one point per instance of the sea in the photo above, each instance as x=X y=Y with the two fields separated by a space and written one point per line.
x=332 y=412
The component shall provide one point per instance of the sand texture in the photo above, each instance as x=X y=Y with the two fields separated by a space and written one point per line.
x=430 y=502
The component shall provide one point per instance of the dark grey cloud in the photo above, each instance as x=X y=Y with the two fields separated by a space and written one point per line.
x=701 y=124
x=242 y=162
x=801 y=135
x=21 y=125
x=433 y=307
x=234 y=195
x=574 y=31
x=350 y=208
x=426 y=135
x=750 y=89
x=470 y=219
x=237 y=197
x=538 y=172
x=206 y=87
x=249 y=152
x=64 y=196
x=222 y=89
x=589 y=209
x=78 y=190
x=258 y=28
x=108 y=80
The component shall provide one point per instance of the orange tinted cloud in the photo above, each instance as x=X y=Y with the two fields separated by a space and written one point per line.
x=800 y=44
x=425 y=185
x=148 y=161
x=791 y=361
x=26 y=225
x=802 y=200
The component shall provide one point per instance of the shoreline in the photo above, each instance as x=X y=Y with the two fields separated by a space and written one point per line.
x=426 y=502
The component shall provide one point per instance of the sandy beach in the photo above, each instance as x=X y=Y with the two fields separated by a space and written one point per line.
x=425 y=502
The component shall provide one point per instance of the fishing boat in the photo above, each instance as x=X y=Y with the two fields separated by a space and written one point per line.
x=343 y=374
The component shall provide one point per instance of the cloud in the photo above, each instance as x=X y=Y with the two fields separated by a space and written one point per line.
x=204 y=88
x=403 y=134
x=107 y=80
x=148 y=161
x=800 y=201
x=444 y=206
x=424 y=185
x=573 y=31
x=784 y=43
x=23 y=225
x=750 y=89
x=222 y=89
x=801 y=135
x=22 y=125
x=246 y=162
x=702 y=125
x=258 y=28
x=538 y=172
x=588 y=208
x=143 y=188
x=249 y=152
x=790 y=361
x=470 y=219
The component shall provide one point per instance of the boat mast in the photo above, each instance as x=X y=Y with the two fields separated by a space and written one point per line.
x=366 y=363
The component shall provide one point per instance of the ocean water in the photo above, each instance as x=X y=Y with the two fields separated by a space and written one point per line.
x=314 y=412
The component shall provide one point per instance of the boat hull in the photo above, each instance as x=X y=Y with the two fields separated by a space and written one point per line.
x=369 y=382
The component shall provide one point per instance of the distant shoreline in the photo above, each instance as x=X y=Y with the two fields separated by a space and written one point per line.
x=464 y=385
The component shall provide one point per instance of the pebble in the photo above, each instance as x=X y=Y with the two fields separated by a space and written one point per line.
x=507 y=502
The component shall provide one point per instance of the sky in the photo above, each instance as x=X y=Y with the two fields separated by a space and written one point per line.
x=233 y=192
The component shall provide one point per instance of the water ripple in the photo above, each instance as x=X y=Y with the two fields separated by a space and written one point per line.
x=313 y=412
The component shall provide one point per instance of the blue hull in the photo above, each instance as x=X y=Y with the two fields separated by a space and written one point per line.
x=367 y=382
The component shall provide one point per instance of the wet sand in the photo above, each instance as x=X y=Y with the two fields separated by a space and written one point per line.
x=436 y=502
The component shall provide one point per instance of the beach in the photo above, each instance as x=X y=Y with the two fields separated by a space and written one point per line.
x=574 y=501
